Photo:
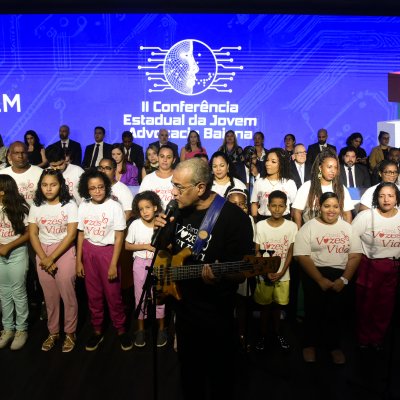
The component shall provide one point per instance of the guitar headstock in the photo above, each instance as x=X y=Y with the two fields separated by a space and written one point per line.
x=261 y=265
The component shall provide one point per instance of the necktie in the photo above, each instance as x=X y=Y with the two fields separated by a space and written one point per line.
x=351 y=180
x=95 y=155
x=64 y=145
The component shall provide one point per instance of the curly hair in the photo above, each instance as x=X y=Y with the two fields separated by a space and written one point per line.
x=14 y=204
x=63 y=194
x=315 y=188
x=375 y=196
x=92 y=173
x=353 y=136
x=284 y=166
x=187 y=145
x=148 y=195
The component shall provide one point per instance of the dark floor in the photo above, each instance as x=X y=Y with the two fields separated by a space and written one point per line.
x=110 y=373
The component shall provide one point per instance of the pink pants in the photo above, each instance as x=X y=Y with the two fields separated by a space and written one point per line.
x=96 y=261
x=376 y=290
x=62 y=285
x=139 y=277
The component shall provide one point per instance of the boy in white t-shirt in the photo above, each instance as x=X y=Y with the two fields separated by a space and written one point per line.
x=276 y=237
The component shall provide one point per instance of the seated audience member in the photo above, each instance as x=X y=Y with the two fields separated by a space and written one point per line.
x=289 y=142
x=68 y=145
x=126 y=172
x=388 y=172
x=377 y=277
x=223 y=179
x=119 y=190
x=276 y=177
x=192 y=147
x=325 y=177
x=163 y=135
x=133 y=152
x=355 y=140
x=352 y=174
x=36 y=153
x=327 y=266
x=394 y=155
x=98 y=150
x=316 y=148
x=57 y=159
x=3 y=154
x=261 y=151
x=151 y=161
x=159 y=181
x=380 y=152
x=300 y=170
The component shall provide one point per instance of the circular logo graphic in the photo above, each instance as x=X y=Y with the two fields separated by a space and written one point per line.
x=190 y=67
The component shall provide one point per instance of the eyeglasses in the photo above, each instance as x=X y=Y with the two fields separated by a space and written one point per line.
x=182 y=189
x=300 y=153
x=97 y=188
x=392 y=173
x=107 y=168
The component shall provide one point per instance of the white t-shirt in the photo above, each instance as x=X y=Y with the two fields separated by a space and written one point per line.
x=278 y=239
x=72 y=175
x=162 y=186
x=139 y=233
x=366 y=198
x=380 y=236
x=300 y=202
x=221 y=189
x=7 y=234
x=328 y=245
x=99 y=221
x=26 y=182
x=263 y=187
x=123 y=195
x=52 y=220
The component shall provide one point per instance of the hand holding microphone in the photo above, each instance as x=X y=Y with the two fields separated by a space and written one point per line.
x=162 y=221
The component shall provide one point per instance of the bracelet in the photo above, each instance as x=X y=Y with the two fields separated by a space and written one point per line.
x=345 y=281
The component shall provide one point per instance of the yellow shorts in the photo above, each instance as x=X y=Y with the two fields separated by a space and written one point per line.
x=278 y=293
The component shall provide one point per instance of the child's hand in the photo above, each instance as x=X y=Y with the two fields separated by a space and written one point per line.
x=150 y=248
x=112 y=272
x=274 y=276
x=80 y=272
x=4 y=250
x=46 y=263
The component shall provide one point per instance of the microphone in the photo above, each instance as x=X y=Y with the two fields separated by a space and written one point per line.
x=172 y=206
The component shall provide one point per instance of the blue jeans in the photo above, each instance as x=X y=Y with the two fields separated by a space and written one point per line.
x=13 y=295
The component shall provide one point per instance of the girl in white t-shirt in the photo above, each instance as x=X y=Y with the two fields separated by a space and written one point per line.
x=377 y=280
x=53 y=221
x=13 y=264
x=329 y=253
x=146 y=205
x=223 y=179
x=101 y=225
x=275 y=177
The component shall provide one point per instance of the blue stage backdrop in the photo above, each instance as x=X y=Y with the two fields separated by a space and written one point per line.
x=272 y=73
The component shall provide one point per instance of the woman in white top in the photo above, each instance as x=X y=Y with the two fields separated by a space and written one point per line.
x=379 y=230
x=325 y=177
x=275 y=177
x=223 y=179
x=329 y=253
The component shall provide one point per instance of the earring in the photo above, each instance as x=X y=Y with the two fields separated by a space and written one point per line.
x=319 y=175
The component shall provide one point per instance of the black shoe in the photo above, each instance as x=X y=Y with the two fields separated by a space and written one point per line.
x=284 y=345
x=93 y=343
x=125 y=341
x=260 y=345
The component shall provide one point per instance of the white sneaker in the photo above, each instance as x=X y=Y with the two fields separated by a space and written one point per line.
x=5 y=338
x=20 y=339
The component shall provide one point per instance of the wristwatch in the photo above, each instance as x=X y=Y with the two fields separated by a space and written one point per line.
x=345 y=281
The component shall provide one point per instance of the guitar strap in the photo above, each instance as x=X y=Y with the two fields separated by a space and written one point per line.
x=207 y=224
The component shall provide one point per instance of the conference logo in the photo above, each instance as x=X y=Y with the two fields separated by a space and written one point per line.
x=190 y=67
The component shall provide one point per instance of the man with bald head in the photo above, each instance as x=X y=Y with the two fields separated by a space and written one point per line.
x=25 y=175
x=163 y=136
x=316 y=148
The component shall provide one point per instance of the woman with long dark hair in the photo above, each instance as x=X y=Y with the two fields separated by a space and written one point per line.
x=53 y=221
x=192 y=147
x=355 y=140
x=126 y=172
x=13 y=264
x=379 y=230
x=36 y=152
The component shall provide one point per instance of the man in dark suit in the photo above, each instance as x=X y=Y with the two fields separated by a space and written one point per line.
x=300 y=170
x=133 y=151
x=163 y=140
x=73 y=148
x=352 y=174
x=98 y=150
x=316 y=148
